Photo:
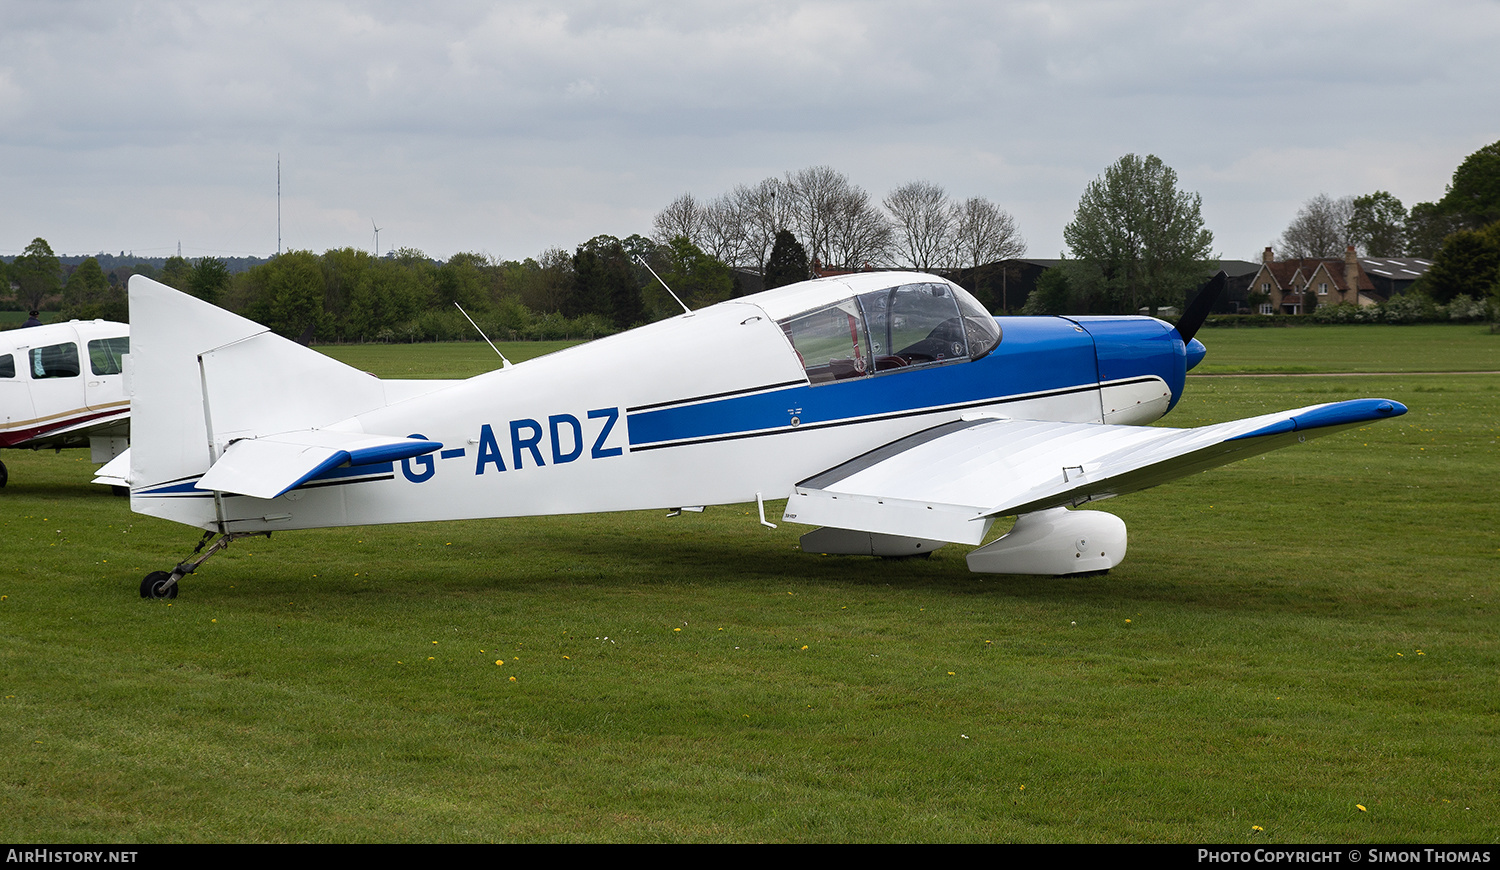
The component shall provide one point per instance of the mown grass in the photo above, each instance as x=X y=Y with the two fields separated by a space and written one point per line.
x=1293 y=350
x=444 y=359
x=1289 y=637
x=1431 y=347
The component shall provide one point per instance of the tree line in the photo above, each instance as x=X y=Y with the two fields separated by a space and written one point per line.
x=348 y=295
x=1459 y=232
x=839 y=226
x=1136 y=242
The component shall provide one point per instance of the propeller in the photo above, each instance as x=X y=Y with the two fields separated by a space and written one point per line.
x=1198 y=310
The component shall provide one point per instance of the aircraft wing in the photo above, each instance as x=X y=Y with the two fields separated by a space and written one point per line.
x=947 y=483
x=269 y=466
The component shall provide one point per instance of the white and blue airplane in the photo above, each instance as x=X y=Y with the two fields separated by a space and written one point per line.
x=62 y=385
x=889 y=408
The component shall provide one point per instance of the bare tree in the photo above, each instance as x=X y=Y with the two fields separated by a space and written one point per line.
x=683 y=218
x=837 y=223
x=762 y=211
x=859 y=234
x=923 y=237
x=816 y=194
x=983 y=233
x=1320 y=229
x=723 y=230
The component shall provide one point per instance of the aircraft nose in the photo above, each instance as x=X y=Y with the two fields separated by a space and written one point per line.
x=1195 y=353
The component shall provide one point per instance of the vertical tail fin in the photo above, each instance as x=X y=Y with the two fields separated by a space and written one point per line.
x=202 y=377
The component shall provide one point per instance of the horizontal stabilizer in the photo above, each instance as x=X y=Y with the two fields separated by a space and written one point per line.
x=115 y=472
x=950 y=482
x=271 y=465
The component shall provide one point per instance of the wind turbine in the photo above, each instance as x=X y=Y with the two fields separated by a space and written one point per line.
x=377 y=238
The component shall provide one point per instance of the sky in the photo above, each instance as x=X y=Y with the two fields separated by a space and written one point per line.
x=511 y=128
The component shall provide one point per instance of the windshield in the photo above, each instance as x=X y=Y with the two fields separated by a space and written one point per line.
x=904 y=326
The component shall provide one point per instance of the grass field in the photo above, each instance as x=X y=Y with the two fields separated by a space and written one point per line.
x=1290 y=638
x=1420 y=347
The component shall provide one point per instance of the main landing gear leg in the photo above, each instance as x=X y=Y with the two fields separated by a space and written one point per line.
x=163 y=584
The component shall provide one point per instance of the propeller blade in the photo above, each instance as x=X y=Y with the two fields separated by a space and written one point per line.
x=1198 y=310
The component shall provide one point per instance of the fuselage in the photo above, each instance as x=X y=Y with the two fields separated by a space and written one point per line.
x=62 y=384
x=733 y=402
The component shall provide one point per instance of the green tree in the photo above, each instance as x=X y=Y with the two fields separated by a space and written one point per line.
x=87 y=280
x=467 y=279
x=1377 y=225
x=348 y=276
x=1467 y=265
x=1053 y=293
x=542 y=283
x=177 y=273
x=787 y=263
x=208 y=279
x=605 y=283
x=287 y=294
x=697 y=278
x=1426 y=228
x=1471 y=203
x=1474 y=193
x=121 y=275
x=638 y=251
x=37 y=273
x=1144 y=238
x=89 y=295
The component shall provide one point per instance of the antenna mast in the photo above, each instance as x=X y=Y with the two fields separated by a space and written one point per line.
x=505 y=362
x=278 y=205
x=642 y=261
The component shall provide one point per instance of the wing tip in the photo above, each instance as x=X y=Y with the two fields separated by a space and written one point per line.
x=1345 y=413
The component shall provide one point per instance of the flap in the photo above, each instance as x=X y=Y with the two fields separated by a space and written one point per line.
x=268 y=466
x=949 y=482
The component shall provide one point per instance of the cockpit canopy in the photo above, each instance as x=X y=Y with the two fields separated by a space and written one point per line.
x=924 y=323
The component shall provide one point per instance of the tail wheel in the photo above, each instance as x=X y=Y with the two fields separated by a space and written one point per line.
x=156 y=585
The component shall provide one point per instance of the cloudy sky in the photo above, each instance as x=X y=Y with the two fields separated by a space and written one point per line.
x=509 y=128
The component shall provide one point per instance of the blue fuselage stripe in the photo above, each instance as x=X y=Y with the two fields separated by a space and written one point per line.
x=1037 y=356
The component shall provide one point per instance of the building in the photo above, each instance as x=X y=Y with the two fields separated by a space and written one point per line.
x=1003 y=286
x=1392 y=275
x=1299 y=285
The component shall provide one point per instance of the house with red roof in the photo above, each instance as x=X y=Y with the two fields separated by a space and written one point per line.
x=1299 y=285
